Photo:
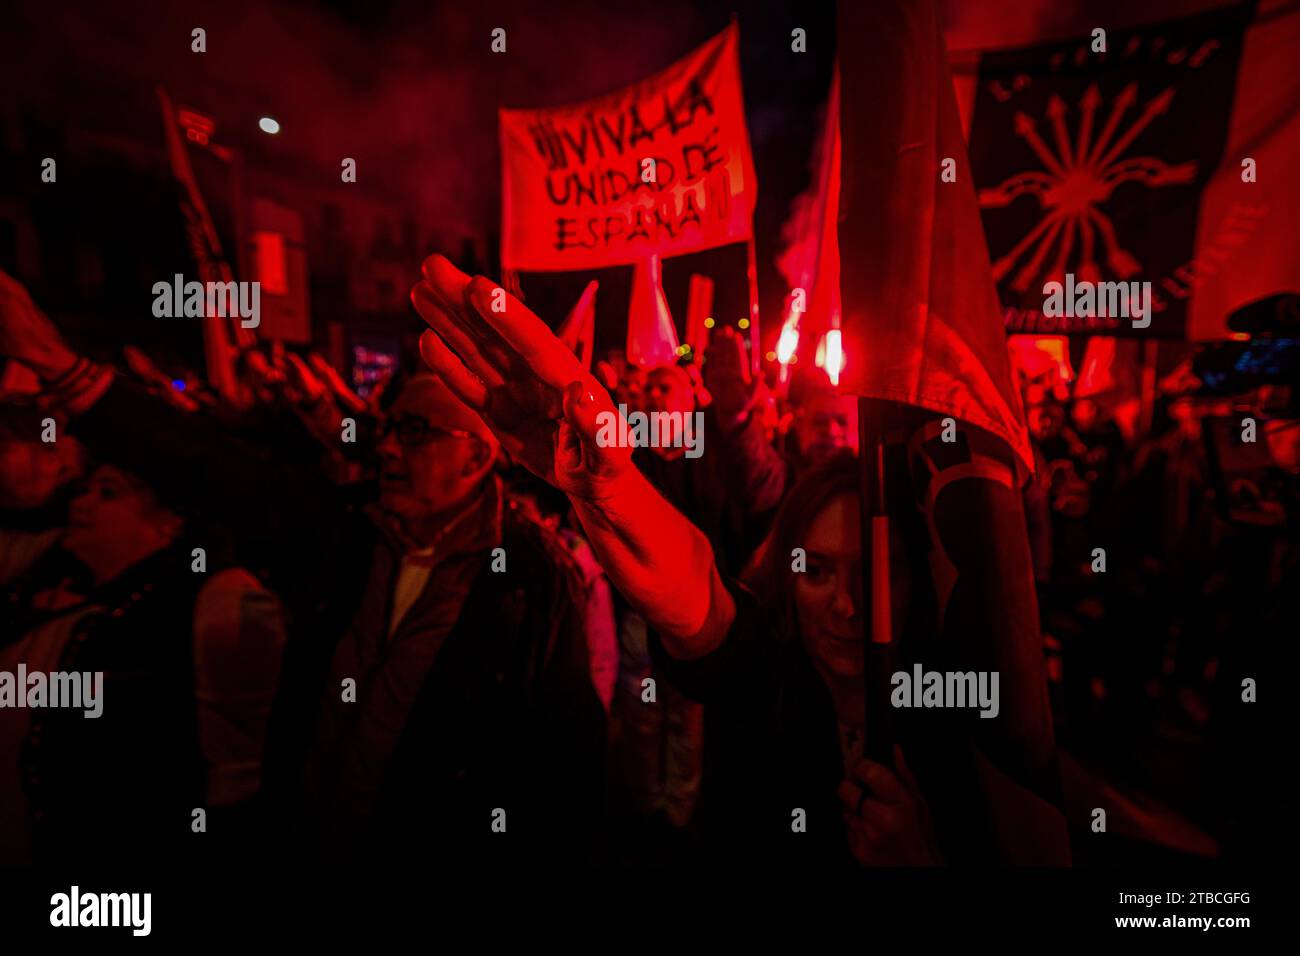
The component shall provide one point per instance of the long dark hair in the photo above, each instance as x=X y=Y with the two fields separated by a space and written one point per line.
x=769 y=574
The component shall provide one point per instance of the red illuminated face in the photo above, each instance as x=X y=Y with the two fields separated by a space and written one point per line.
x=630 y=390
x=116 y=522
x=1084 y=413
x=668 y=389
x=31 y=472
x=828 y=595
x=827 y=423
x=428 y=466
x=1045 y=421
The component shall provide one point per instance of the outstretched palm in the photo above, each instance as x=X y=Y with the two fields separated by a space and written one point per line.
x=507 y=365
x=26 y=333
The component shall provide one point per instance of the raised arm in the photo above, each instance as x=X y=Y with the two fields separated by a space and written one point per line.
x=548 y=411
x=190 y=454
x=756 y=472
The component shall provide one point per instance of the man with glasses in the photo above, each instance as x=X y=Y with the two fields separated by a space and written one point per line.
x=473 y=692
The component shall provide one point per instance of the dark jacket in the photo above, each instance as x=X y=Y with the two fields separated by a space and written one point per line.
x=729 y=492
x=508 y=706
x=774 y=747
x=507 y=719
x=123 y=786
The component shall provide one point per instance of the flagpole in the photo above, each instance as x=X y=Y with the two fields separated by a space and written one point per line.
x=751 y=271
x=877 y=616
x=205 y=247
x=1147 y=403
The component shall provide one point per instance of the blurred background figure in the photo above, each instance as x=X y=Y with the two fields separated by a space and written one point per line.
x=825 y=423
x=190 y=663
x=33 y=470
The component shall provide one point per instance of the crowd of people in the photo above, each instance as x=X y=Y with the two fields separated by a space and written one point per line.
x=447 y=618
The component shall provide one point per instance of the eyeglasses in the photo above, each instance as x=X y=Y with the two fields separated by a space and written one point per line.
x=416 y=431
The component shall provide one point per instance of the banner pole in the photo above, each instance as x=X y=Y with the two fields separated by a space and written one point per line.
x=751 y=271
x=205 y=247
x=877 y=616
x=1147 y=405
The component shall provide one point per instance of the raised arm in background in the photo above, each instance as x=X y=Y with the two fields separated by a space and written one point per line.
x=756 y=472
x=192 y=455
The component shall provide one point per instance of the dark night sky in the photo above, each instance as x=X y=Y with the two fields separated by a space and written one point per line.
x=410 y=89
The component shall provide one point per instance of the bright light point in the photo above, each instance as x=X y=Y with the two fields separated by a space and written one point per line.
x=786 y=344
x=708 y=323
x=268 y=125
x=834 y=356
x=743 y=323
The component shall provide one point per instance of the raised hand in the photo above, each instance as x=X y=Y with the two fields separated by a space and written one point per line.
x=544 y=407
x=505 y=363
x=726 y=373
x=158 y=382
x=266 y=381
x=308 y=385
x=27 y=335
x=343 y=394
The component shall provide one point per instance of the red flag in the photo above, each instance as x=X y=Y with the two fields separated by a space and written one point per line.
x=925 y=339
x=577 y=192
x=651 y=334
x=1247 y=242
x=921 y=319
x=810 y=262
